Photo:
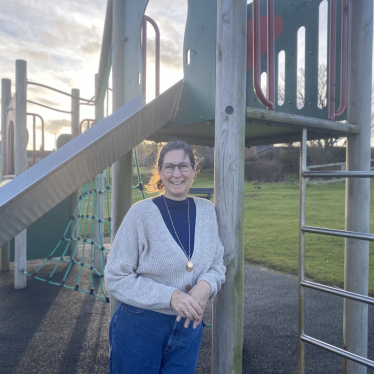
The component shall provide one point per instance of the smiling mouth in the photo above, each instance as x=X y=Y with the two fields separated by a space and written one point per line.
x=177 y=183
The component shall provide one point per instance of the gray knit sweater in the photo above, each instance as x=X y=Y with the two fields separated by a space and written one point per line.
x=146 y=265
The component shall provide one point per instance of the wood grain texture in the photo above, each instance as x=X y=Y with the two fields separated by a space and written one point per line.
x=20 y=165
x=293 y=120
x=357 y=214
x=75 y=116
x=229 y=181
x=5 y=101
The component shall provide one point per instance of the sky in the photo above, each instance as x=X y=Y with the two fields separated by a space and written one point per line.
x=61 y=41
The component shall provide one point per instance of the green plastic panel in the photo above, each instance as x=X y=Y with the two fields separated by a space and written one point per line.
x=198 y=97
x=132 y=51
x=296 y=14
x=197 y=103
x=44 y=234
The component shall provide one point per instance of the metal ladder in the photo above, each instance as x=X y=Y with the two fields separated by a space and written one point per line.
x=304 y=174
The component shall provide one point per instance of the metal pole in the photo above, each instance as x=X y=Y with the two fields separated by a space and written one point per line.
x=74 y=133
x=144 y=58
x=122 y=169
x=302 y=185
x=5 y=101
x=20 y=242
x=99 y=200
x=33 y=140
x=229 y=176
x=356 y=271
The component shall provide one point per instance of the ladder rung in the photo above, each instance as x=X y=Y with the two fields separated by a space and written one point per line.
x=338 y=351
x=338 y=174
x=340 y=233
x=338 y=292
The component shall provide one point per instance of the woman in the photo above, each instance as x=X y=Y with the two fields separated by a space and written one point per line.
x=166 y=261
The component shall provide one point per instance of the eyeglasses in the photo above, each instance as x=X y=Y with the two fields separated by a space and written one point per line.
x=183 y=167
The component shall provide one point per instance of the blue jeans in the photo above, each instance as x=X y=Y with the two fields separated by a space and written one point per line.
x=146 y=342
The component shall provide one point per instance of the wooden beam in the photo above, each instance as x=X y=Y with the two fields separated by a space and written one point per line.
x=229 y=181
x=75 y=111
x=294 y=120
x=20 y=241
x=357 y=193
x=5 y=101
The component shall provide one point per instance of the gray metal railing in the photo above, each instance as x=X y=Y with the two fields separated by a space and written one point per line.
x=342 y=167
x=304 y=175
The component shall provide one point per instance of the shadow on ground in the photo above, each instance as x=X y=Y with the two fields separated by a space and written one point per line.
x=48 y=329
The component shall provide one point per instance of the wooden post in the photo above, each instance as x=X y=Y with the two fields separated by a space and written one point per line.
x=122 y=169
x=5 y=101
x=356 y=269
x=20 y=250
x=99 y=202
x=229 y=181
x=74 y=133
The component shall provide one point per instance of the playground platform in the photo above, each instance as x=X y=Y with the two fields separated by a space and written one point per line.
x=48 y=329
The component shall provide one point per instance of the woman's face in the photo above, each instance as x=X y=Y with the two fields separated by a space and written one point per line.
x=176 y=183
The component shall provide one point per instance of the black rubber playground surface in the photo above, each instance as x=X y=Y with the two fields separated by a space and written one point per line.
x=47 y=329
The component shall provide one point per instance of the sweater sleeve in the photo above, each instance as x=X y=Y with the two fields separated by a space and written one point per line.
x=215 y=276
x=121 y=279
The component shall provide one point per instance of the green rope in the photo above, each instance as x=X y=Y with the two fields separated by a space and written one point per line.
x=140 y=184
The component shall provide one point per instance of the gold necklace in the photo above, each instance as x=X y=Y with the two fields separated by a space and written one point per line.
x=189 y=266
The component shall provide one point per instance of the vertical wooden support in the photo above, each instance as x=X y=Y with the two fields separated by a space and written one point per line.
x=99 y=199
x=356 y=271
x=20 y=165
x=74 y=133
x=122 y=169
x=229 y=181
x=5 y=101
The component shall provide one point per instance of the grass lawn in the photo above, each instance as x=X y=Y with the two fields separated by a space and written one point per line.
x=271 y=219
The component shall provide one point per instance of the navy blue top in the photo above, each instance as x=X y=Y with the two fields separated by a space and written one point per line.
x=179 y=214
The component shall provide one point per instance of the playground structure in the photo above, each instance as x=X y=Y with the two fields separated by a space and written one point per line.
x=220 y=103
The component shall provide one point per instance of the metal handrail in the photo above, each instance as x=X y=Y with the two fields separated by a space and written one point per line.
x=338 y=351
x=270 y=103
x=302 y=283
x=339 y=233
x=332 y=61
x=338 y=292
x=88 y=120
x=48 y=107
x=144 y=55
x=61 y=92
x=343 y=60
x=333 y=164
x=336 y=174
x=34 y=136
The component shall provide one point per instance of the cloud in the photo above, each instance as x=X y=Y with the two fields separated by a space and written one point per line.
x=69 y=33
x=45 y=101
x=57 y=125
x=34 y=54
x=91 y=48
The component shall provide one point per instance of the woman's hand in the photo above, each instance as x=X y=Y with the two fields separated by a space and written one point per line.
x=201 y=292
x=182 y=303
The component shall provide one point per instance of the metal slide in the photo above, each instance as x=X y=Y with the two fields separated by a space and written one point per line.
x=33 y=193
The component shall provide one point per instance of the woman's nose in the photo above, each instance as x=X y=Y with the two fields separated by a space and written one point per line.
x=176 y=172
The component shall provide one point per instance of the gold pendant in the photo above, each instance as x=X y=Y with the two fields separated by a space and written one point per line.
x=189 y=266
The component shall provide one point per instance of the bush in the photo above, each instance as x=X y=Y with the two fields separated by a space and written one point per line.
x=263 y=170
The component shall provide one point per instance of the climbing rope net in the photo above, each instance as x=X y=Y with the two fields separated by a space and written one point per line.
x=82 y=223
